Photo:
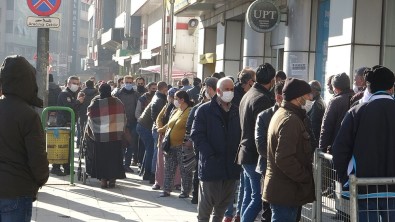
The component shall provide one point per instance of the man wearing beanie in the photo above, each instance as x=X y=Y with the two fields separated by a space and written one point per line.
x=257 y=99
x=289 y=183
x=367 y=138
x=23 y=159
x=334 y=113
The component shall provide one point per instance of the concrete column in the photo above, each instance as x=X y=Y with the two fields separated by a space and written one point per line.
x=228 y=50
x=206 y=45
x=297 y=51
x=254 y=47
x=354 y=35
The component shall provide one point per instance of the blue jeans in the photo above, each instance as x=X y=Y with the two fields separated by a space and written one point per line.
x=283 y=213
x=372 y=209
x=252 y=202
x=18 y=209
x=155 y=136
x=146 y=136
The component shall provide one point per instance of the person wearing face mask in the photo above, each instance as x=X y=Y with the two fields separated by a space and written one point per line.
x=335 y=111
x=145 y=99
x=359 y=85
x=245 y=81
x=162 y=120
x=208 y=92
x=257 y=99
x=216 y=134
x=173 y=158
x=289 y=182
x=69 y=97
x=129 y=97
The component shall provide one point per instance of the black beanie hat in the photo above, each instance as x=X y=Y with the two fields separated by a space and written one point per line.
x=379 y=78
x=341 y=81
x=295 y=88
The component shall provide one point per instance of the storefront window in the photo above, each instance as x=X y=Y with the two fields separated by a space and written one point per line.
x=389 y=35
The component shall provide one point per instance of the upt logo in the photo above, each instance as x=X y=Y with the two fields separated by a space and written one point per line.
x=262 y=14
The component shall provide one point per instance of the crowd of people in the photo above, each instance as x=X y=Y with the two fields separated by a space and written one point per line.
x=256 y=134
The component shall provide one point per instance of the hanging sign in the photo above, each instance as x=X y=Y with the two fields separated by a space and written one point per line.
x=263 y=16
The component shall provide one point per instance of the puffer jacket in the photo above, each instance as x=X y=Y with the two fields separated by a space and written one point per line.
x=289 y=175
x=23 y=157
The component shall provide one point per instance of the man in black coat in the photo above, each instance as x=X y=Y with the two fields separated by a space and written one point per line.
x=246 y=80
x=257 y=99
x=195 y=91
x=366 y=139
x=317 y=110
x=23 y=159
x=90 y=91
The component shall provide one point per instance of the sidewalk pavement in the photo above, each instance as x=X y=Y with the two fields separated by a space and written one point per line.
x=132 y=199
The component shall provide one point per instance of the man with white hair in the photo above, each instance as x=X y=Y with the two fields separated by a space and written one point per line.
x=216 y=135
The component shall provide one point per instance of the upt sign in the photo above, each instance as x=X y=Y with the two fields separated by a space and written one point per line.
x=263 y=16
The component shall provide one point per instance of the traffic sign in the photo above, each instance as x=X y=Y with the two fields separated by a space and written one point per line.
x=43 y=22
x=43 y=7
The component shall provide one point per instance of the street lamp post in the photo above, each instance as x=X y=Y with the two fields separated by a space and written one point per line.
x=170 y=59
x=162 y=49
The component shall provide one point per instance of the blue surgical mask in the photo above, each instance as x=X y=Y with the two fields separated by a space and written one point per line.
x=128 y=86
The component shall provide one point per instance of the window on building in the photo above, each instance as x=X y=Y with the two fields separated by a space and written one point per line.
x=10 y=4
x=9 y=26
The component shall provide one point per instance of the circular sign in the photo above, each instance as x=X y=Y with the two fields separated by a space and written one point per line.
x=263 y=16
x=43 y=7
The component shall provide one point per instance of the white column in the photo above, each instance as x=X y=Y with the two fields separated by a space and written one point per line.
x=254 y=47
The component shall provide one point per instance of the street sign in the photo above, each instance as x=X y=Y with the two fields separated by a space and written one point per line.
x=43 y=22
x=43 y=7
x=263 y=16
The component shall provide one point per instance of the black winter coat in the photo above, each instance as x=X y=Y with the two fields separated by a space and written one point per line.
x=23 y=157
x=216 y=141
x=67 y=99
x=90 y=93
x=367 y=134
x=253 y=102
x=315 y=116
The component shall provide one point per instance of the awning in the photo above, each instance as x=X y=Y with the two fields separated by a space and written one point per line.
x=194 y=8
x=177 y=73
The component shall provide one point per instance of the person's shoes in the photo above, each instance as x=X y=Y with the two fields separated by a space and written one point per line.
x=152 y=179
x=128 y=169
x=134 y=163
x=236 y=218
x=111 y=183
x=155 y=187
x=227 y=219
x=164 y=194
x=183 y=195
x=194 y=200
x=57 y=172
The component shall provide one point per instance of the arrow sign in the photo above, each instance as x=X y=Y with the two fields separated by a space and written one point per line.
x=43 y=7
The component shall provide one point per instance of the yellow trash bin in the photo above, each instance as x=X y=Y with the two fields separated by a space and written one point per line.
x=58 y=143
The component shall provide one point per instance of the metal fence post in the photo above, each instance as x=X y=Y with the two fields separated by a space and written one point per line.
x=317 y=205
x=353 y=198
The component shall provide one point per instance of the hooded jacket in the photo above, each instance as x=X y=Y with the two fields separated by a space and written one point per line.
x=23 y=157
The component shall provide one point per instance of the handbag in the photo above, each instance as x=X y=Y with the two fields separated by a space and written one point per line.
x=188 y=158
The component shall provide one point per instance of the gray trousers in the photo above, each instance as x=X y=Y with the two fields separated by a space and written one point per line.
x=214 y=197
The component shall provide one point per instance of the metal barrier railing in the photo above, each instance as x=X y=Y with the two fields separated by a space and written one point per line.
x=335 y=204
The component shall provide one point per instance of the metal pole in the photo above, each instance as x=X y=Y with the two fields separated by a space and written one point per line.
x=317 y=205
x=170 y=61
x=42 y=64
x=162 y=49
x=353 y=198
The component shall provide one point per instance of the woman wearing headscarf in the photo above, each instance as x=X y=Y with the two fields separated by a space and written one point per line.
x=176 y=128
x=106 y=124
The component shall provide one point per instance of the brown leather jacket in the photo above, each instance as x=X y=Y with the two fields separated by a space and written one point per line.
x=289 y=175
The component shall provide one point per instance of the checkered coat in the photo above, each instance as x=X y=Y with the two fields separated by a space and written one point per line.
x=106 y=119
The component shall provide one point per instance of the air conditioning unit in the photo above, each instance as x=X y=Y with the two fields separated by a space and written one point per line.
x=192 y=25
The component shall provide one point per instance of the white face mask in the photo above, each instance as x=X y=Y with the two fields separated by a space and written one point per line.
x=206 y=94
x=134 y=87
x=74 y=88
x=355 y=88
x=308 y=106
x=176 y=103
x=227 y=96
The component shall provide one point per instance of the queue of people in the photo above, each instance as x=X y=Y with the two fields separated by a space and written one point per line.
x=256 y=135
